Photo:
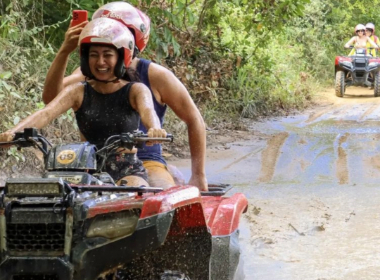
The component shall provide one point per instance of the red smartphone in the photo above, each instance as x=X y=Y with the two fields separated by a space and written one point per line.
x=79 y=16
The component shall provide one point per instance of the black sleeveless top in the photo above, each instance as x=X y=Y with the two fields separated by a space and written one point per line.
x=103 y=115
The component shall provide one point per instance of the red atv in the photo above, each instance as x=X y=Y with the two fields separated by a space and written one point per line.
x=361 y=69
x=75 y=223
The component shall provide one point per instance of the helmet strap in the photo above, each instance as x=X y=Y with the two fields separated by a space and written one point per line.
x=115 y=81
x=136 y=52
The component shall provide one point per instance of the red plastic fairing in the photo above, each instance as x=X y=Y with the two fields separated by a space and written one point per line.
x=341 y=58
x=188 y=217
x=223 y=213
x=374 y=60
x=114 y=206
x=171 y=199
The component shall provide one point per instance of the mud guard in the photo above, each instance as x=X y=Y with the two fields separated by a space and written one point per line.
x=223 y=221
x=225 y=257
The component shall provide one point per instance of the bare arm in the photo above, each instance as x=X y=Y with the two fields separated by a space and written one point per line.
x=176 y=96
x=350 y=42
x=373 y=44
x=55 y=81
x=141 y=101
x=68 y=98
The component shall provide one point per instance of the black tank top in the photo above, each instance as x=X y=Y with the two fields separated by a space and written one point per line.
x=103 y=115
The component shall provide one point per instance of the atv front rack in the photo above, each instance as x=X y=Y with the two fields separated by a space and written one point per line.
x=213 y=189
x=140 y=189
x=217 y=189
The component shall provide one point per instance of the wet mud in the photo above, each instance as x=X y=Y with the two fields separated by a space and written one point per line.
x=312 y=181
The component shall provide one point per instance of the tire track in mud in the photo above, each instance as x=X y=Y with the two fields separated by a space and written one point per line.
x=368 y=112
x=270 y=156
x=242 y=158
x=341 y=163
x=317 y=115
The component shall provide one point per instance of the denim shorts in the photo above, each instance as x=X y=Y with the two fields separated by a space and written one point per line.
x=119 y=165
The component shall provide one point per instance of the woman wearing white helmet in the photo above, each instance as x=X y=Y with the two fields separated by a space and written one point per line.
x=370 y=32
x=134 y=19
x=105 y=104
x=166 y=91
x=360 y=40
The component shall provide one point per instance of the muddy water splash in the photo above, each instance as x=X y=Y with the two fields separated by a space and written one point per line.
x=313 y=188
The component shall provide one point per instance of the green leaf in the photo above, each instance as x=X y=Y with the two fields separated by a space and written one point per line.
x=16 y=120
x=5 y=75
x=15 y=95
x=7 y=87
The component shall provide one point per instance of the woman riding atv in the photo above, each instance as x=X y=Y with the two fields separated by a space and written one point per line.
x=360 y=41
x=108 y=102
x=166 y=90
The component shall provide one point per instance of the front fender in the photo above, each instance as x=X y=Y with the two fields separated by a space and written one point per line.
x=224 y=213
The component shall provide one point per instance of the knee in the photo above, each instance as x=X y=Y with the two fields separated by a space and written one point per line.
x=133 y=181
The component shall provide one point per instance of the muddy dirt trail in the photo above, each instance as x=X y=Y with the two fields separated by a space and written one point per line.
x=313 y=184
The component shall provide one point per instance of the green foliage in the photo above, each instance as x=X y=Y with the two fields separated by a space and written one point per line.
x=260 y=56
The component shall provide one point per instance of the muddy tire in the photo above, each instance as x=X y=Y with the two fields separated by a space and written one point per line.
x=376 y=84
x=339 y=83
x=174 y=275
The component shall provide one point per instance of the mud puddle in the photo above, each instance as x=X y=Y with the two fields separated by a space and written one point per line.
x=312 y=182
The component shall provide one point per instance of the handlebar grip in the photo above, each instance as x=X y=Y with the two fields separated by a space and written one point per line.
x=170 y=136
x=145 y=138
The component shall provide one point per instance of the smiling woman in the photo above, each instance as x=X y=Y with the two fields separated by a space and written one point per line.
x=109 y=102
x=102 y=61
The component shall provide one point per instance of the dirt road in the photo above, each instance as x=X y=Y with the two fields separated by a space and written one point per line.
x=313 y=184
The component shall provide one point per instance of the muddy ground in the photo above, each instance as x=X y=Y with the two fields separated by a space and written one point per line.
x=312 y=181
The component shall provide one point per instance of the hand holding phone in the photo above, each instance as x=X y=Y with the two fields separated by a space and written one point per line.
x=79 y=16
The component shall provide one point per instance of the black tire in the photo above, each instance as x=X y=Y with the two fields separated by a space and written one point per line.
x=174 y=275
x=376 y=84
x=339 y=83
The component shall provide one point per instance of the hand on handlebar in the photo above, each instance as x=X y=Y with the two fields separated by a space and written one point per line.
x=6 y=137
x=156 y=133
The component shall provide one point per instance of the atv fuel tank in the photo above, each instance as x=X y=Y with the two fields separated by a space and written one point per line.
x=74 y=156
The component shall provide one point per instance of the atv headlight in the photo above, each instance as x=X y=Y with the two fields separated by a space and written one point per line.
x=346 y=63
x=373 y=65
x=114 y=225
x=35 y=187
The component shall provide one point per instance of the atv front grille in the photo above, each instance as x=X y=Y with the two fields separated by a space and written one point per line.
x=360 y=63
x=35 y=277
x=36 y=237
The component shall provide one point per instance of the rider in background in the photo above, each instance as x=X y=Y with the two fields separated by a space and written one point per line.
x=166 y=90
x=370 y=32
x=360 y=41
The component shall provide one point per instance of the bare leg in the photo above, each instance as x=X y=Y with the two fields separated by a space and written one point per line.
x=158 y=175
x=134 y=181
x=176 y=174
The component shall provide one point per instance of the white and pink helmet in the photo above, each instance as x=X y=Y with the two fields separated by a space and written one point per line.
x=133 y=18
x=105 y=31
x=359 y=27
x=370 y=26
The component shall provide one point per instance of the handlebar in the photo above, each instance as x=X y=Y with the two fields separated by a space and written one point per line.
x=352 y=47
x=29 y=138
x=127 y=140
